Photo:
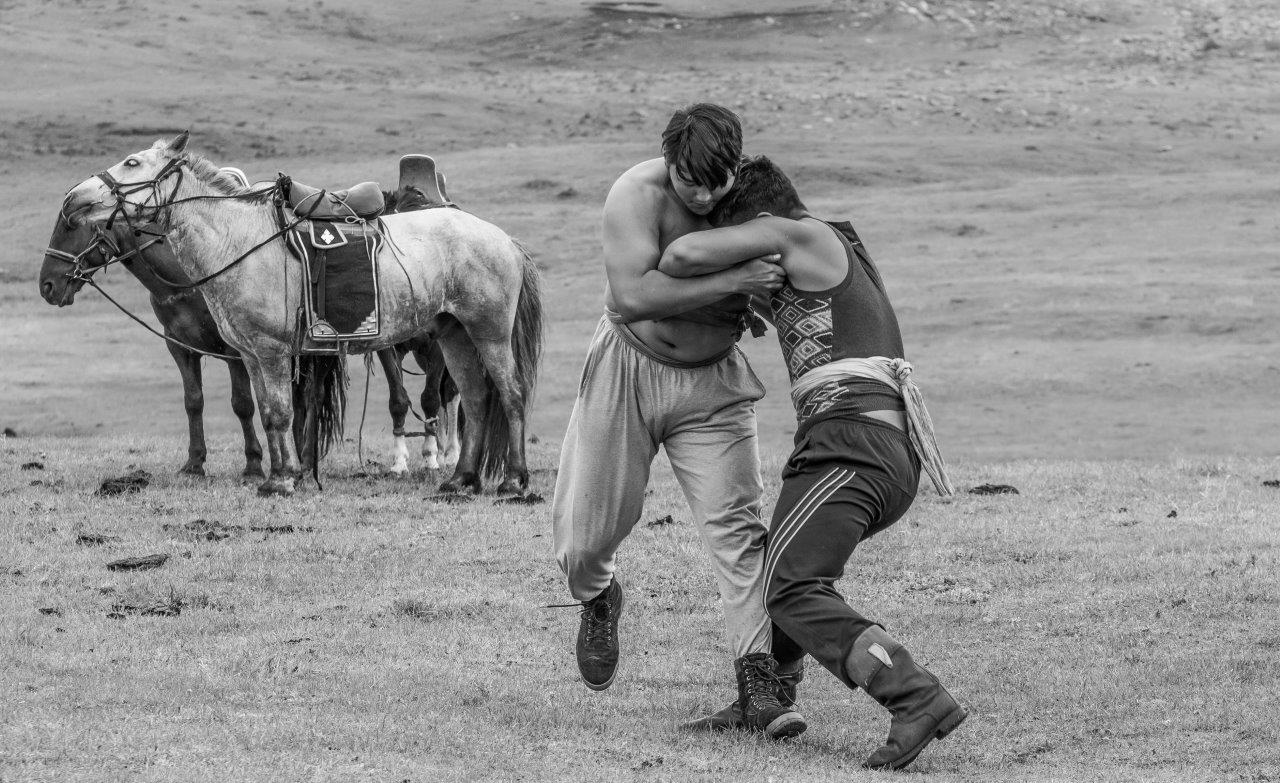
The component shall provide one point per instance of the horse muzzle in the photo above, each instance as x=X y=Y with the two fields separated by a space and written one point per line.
x=60 y=291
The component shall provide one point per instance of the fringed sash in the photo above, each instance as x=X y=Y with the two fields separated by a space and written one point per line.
x=895 y=373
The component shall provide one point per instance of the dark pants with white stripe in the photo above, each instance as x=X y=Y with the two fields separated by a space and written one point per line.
x=848 y=479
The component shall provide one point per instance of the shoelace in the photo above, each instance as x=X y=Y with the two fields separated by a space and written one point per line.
x=762 y=682
x=597 y=627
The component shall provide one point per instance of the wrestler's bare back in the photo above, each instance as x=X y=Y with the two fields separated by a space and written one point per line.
x=642 y=216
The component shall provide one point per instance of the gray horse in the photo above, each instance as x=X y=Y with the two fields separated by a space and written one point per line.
x=442 y=273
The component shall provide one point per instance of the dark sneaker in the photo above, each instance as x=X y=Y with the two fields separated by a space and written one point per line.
x=598 y=637
x=758 y=687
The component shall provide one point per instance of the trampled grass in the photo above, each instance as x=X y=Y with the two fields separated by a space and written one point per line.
x=1113 y=621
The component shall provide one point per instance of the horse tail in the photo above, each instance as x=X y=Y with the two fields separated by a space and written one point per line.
x=324 y=382
x=526 y=349
x=527 y=333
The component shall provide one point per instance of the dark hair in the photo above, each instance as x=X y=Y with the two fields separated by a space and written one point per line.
x=760 y=187
x=704 y=143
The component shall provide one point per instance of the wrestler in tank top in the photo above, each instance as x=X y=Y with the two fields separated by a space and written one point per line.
x=852 y=319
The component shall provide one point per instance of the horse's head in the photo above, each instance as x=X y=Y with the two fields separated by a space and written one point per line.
x=131 y=189
x=74 y=253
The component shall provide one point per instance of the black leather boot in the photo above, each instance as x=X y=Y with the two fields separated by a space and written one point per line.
x=758 y=703
x=729 y=717
x=922 y=709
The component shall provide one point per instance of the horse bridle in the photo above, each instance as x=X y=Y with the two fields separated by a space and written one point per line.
x=107 y=245
x=122 y=191
x=159 y=206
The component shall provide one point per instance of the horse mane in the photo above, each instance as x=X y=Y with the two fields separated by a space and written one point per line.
x=209 y=173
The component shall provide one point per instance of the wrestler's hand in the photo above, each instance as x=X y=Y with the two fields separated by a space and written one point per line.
x=760 y=276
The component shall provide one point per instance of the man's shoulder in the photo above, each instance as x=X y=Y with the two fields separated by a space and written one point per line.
x=644 y=179
x=798 y=231
x=640 y=192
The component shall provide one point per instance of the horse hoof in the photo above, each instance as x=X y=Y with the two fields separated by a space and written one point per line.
x=468 y=482
x=512 y=487
x=191 y=469
x=276 y=487
x=398 y=471
x=253 y=472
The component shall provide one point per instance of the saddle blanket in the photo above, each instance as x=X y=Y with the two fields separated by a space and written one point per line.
x=340 y=281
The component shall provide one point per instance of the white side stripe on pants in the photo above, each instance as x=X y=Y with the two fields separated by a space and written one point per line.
x=818 y=494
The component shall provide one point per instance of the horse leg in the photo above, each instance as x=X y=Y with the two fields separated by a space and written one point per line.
x=501 y=365
x=242 y=404
x=432 y=363
x=452 y=428
x=193 y=400
x=300 y=427
x=398 y=404
x=272 y=377
x=465 y=367
x=449 y=420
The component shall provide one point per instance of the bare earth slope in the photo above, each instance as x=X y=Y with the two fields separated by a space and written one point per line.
x=1073 y=206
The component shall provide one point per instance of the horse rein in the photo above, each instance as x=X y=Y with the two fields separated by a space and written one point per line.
x=122 y=191
x=104 y=243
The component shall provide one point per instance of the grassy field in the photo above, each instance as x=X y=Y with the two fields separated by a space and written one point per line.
x=1073 y=206
x=1114 y=621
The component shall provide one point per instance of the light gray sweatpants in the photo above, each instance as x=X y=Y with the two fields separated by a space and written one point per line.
x=629 y=402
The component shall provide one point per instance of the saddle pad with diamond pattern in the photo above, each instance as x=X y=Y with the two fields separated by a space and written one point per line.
x=340 y=279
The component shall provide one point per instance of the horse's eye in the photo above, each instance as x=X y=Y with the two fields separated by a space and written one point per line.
x=131 y=162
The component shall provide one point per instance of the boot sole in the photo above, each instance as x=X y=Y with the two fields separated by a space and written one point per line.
x=945 y=727
x=622 y=601
x=786 y=726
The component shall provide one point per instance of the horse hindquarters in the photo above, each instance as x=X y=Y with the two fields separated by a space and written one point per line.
x=512 y=365
x=473 y=390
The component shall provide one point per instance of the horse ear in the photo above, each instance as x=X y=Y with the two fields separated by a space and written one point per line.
x=180 y=142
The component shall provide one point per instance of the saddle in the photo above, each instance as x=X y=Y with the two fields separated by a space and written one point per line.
x=362 y=202
x=337 y=240
x=422 y=186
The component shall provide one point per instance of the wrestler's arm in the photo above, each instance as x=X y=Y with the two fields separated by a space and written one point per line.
x=708 y=252
x=639 y=291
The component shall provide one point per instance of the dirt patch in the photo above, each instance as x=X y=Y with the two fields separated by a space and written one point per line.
x=213 y=530
x=139 y=563
x=130 y=483
x=96 y=539
x=529 y=499
x=993 y=489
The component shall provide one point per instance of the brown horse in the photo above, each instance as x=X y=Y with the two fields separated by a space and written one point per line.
x=445 y=273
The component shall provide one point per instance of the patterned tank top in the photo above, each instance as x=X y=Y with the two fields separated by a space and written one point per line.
x=852 y=319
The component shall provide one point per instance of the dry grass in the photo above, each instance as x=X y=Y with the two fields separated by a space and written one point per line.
x=1094 y=634
x=1065 y=201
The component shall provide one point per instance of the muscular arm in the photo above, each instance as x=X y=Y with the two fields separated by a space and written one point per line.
x=631 y=252
x=708 y=252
